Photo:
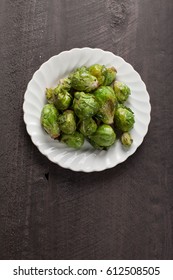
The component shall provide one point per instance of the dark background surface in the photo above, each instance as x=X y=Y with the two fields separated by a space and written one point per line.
x=122 y=213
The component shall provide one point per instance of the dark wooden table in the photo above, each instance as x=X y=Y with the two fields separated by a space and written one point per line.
x=47 y=212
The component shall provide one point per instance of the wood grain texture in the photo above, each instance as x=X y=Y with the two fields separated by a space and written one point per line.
x=47 y=212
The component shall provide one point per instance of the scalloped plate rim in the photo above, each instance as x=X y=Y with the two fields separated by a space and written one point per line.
x=83 y=168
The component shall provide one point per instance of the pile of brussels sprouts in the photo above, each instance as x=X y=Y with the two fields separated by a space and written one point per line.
x=89 y=104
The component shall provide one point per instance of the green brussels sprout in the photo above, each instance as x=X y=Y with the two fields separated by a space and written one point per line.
x=124 y=118
x=126 y=139
x=122 y=91
x=67 y=122
x=104 y=137
x=87 y=127
x=107 y=101
x=82 y=80
x=99 y=71
x=85 y=105
x=75 y=140
x=110 y=76
x=59 y=96
x=62 y=98
x=65 y=83
x=50 y=95
x=49 y=120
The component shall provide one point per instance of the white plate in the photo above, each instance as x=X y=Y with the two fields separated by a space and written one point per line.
x=86 y=159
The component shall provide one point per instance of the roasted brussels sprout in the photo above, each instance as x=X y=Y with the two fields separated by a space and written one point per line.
x=82 y=80
x=85 y=105
x=75 y=140
x=104 y=137
x=124 y=118
x=67 y=122
x=110 y=76
x=49 y=120
x=62 y=98
x=122 y=91
x=50 y=95
x=87 y=126
x=126 y=139
x=99 y=71
x=107 y=101
x=65 y=83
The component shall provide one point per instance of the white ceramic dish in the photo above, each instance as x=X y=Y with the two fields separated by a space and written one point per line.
x=86 y=159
